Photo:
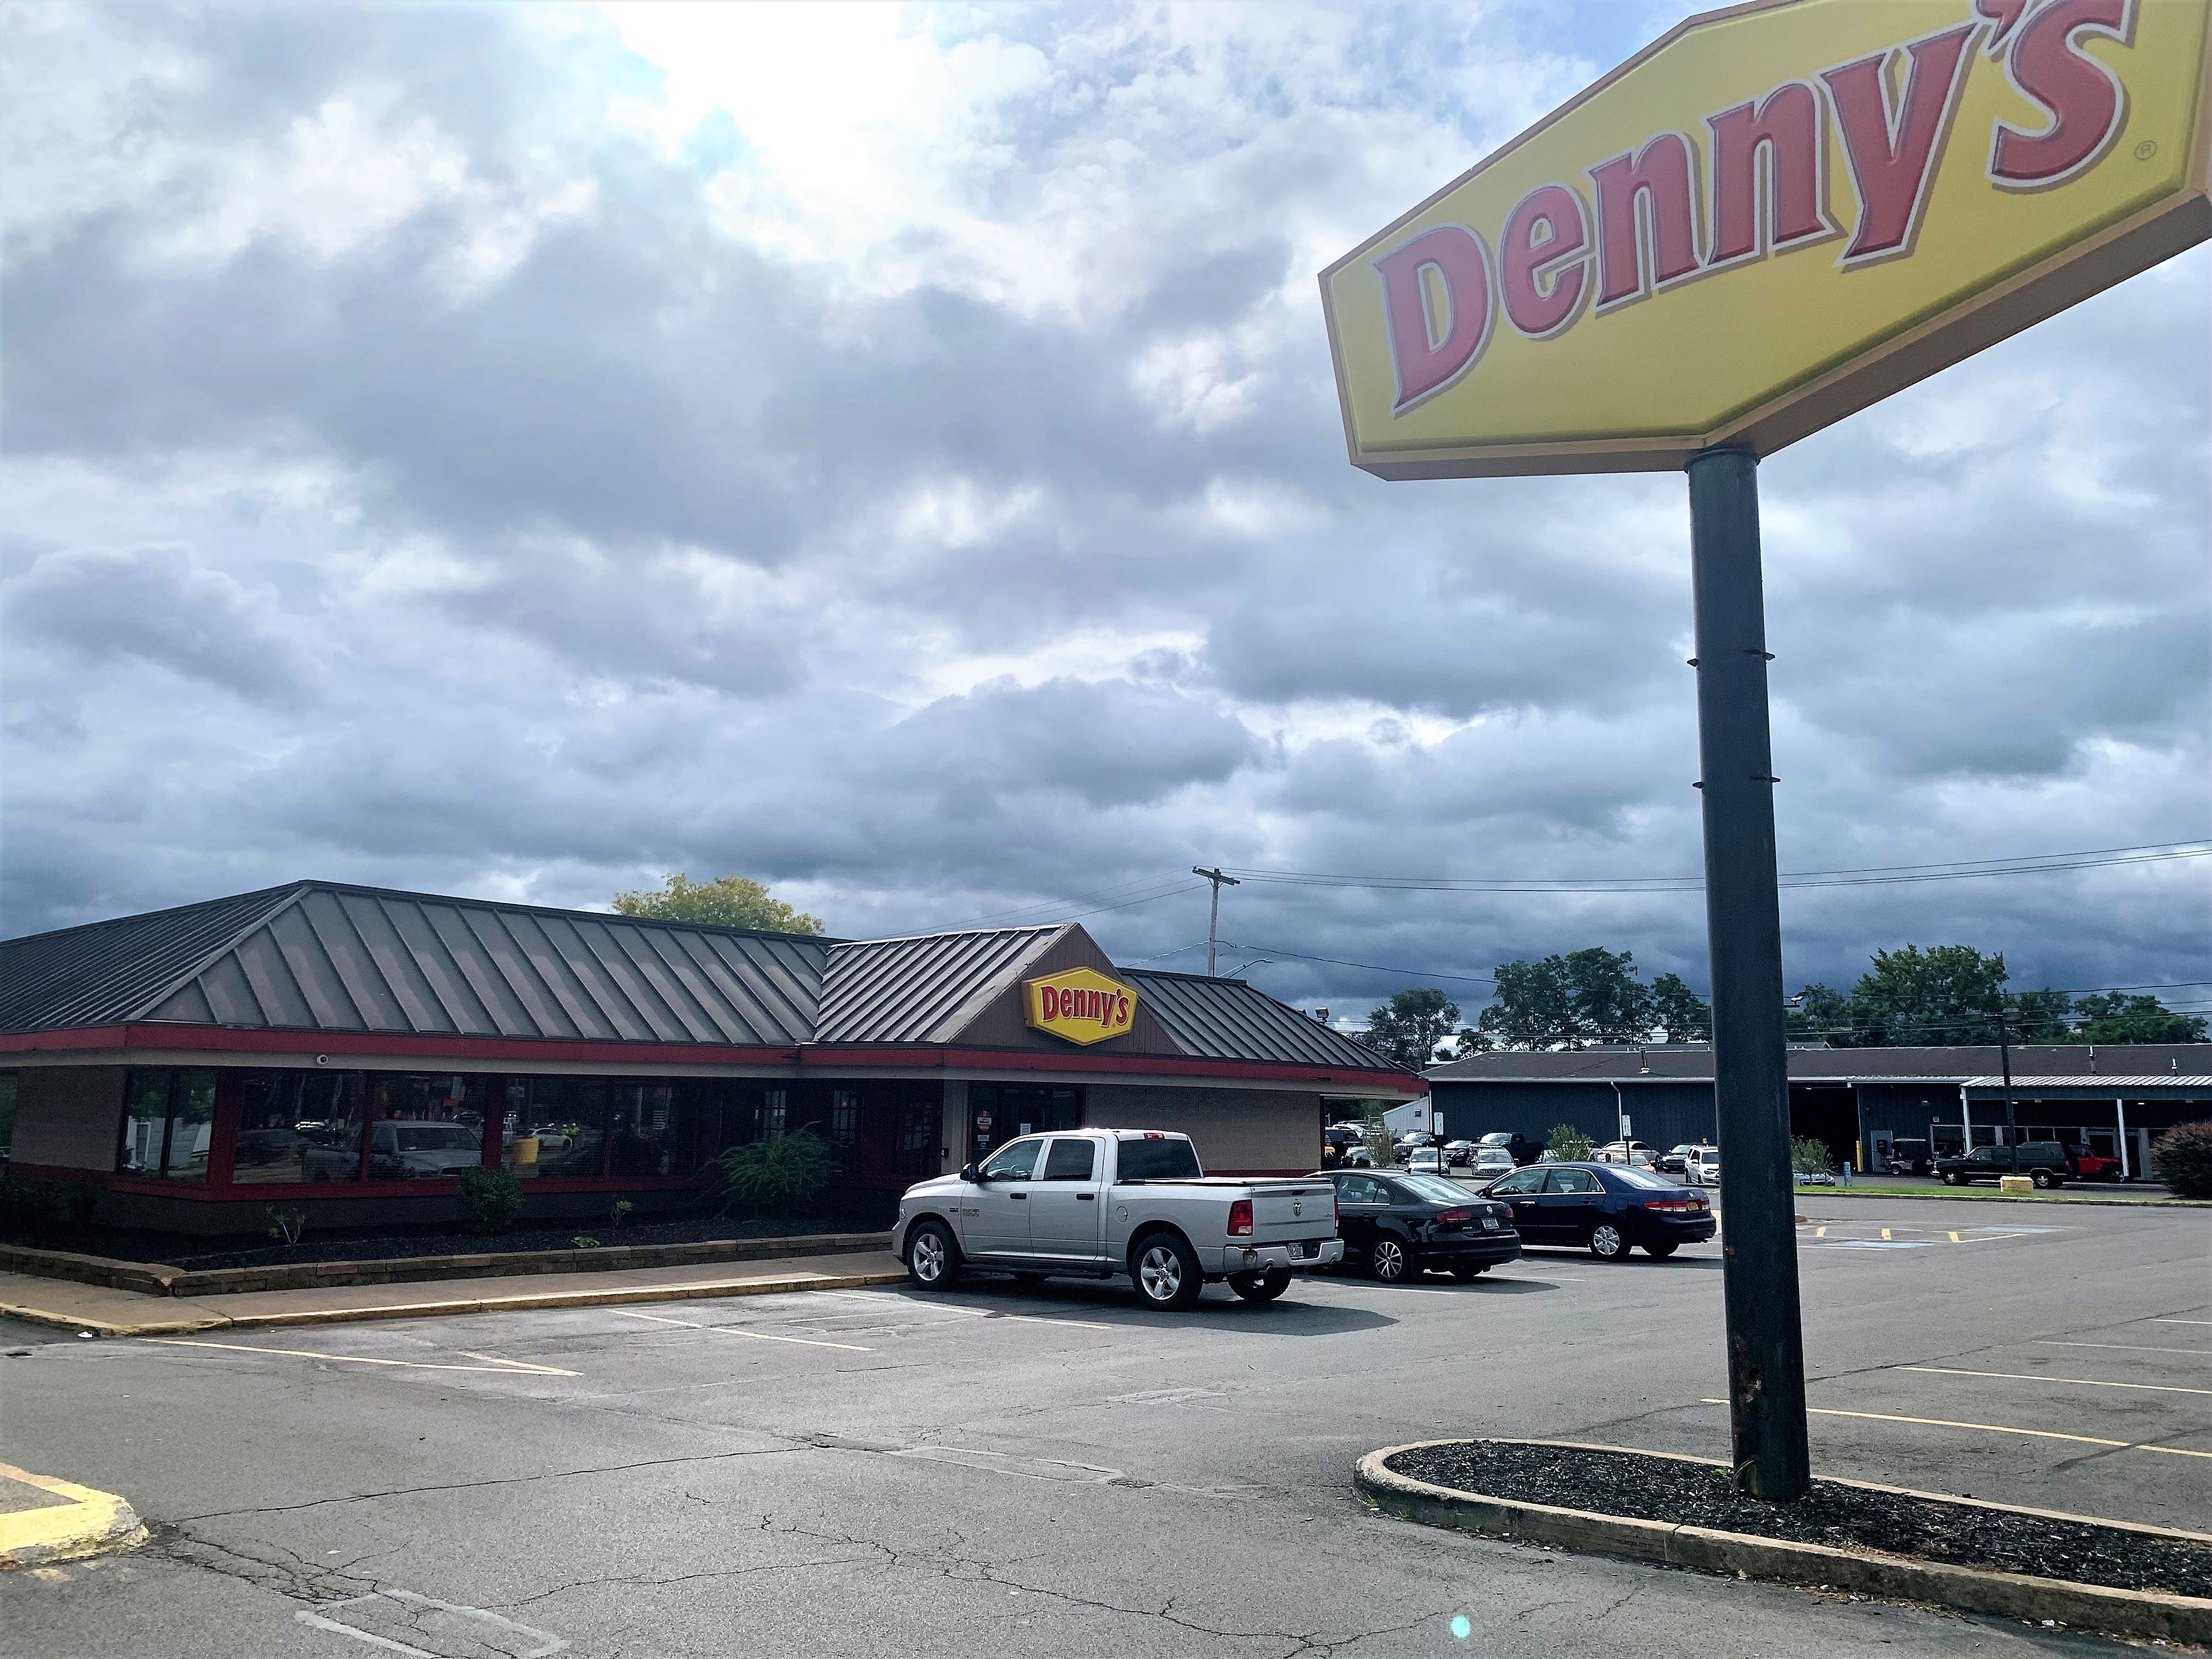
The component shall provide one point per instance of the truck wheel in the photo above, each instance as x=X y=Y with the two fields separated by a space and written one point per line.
x=932 y=1259
x=1606 y=1244
x=2043 y=1179
x=1953 y=1178
x=1260 y=1287
x=1389 y=1260
x=1167 y=1273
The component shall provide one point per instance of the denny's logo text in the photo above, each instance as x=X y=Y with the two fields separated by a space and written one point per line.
x=1080 y=1005
x=1750 y=210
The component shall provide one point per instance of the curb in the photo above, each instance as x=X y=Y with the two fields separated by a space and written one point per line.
x=1892 y=1578
x=1958 y=1195
x=514 y=1304
x=91 y=1523
x=157 y=1278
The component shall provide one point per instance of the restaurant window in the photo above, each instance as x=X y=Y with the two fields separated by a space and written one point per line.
x=998 y=1112
x=555 y=1126
x=9 y=1081
x=659 y=1128
x=584 y=1129
x=920 y=1121
x=169 y=1121
x=845 y=1128
x=299 y=1127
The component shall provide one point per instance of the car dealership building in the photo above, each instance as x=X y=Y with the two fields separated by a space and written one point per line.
x=2113 y=1099
x=349 y=1050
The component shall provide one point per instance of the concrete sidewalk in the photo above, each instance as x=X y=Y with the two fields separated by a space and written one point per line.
x=105 y=1312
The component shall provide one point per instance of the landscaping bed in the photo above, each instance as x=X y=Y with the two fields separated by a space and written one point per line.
x=1679 y=1491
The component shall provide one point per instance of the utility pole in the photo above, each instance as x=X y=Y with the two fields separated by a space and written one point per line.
x=1213 y=921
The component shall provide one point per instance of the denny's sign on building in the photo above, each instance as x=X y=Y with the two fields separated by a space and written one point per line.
x=1080 y=1005
x=1774 y=217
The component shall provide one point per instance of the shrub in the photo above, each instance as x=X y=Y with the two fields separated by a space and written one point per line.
x=491 y=1200
x=1808 y=1156
x=27 y=1206
x=583 y=1242
x=620 y=1213
x=1568 y=1144
x=2182 y=1157
x=779 y=1176
x=287 y=1224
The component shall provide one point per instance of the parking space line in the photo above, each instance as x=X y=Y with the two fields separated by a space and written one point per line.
x=2073 y=1381
x=500 y=1367
x=2181 y=1321
x=1997 y=1428
x=972 y=1313
x=2131 y=1347
x=734 y=1330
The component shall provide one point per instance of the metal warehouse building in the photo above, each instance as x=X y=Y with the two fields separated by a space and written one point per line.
x=1859 y=1101
x=351 y=1050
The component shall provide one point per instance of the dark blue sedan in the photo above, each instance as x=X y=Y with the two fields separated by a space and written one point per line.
x=1605 y=1208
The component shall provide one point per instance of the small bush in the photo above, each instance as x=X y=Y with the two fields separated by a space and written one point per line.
x=1808 y=1156
x=2182 y=1157
x=491 y=1201
x=583 y=1242
x=27 y=1206
x=1568 y=1144
x=621 y=1212
x=287 y=1224
x=777 y=1177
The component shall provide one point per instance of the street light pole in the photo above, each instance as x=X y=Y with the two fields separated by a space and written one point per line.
x=1213 y=919
x=1743 y=925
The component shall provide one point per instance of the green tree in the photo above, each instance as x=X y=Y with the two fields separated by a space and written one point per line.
x=2117 y=1016
x=1568 y=1144
x=2044 y=1016
x=1916 y=999
x=1823 y=1013
x=726 y=902
x=1684 y=1015
x=1408 y=1029
x=1585 y=996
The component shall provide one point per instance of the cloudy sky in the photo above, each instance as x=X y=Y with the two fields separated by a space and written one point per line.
x=891 y=452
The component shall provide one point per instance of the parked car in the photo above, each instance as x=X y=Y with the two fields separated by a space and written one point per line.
x=1607 y=1208
x=1101 y=1203
x=1490 y=1163
x=1396 y=1226
x=1816 y=1178
x=1355 y=1158
x=1702 y=1166
x=1516 y=1145
x=1459 y=1154
x=405 y=1151
x=1426 y=1160
x=1911 y=1157
x=1622 y=1151
x=1675 y=1160
x=2094 y=1166
x=2046 y=1163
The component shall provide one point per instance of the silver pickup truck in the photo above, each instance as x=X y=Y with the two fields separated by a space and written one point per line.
x=1093 y=1203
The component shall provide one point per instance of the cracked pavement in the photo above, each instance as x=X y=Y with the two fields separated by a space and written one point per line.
x=1118 y=1483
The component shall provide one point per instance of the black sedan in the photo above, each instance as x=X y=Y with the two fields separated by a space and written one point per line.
x=1607 y=1208
x=1398 y=1226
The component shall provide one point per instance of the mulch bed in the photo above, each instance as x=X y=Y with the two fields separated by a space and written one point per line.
x=1698 y=1495
x=385 y=1244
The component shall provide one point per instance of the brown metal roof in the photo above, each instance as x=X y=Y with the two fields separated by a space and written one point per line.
x=1662 y=1062
x=922 y=989
x=1227 y=1019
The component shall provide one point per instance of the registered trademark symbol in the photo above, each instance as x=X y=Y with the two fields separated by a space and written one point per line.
x=2146 y=149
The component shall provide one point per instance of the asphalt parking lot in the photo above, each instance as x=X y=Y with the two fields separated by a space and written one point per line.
x=1059 y=1472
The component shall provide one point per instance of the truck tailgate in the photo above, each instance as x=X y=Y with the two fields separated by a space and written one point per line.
x=1294 y=1210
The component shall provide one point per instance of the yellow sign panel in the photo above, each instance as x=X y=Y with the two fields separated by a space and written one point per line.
x=1080 y=1005
x=1772 y=217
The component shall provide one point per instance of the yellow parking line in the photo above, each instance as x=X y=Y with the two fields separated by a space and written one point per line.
x=1997 y=1428
x=733 y=1330
x=502 y=1367
x=1884 y=1232
x=1955 y=1239
x=1820 y=1232
x=2075 y=1381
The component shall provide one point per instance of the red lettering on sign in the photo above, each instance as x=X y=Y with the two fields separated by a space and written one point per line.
x=1894 y=152
x=1122 y=1003
x=1431 y=351
x=2084 y=101
x=1761 y=209
x=1543 y=278
x=1049 y=1002
x=1647 y=219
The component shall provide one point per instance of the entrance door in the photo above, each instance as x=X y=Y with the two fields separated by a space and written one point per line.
x=1001 y=1201
x=1065 y=1205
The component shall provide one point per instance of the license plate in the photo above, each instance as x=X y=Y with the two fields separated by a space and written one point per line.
x=1298 y=1251
x=1490 y=1223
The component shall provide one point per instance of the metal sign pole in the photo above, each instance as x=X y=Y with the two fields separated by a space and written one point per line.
x=1743 y=923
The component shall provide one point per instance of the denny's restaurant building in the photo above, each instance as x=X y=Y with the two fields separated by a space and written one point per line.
x=348 y=1051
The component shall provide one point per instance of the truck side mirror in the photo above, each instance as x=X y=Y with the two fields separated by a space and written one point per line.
x=971 y=1174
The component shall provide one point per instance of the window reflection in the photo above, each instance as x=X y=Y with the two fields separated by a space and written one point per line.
x=168 y=1124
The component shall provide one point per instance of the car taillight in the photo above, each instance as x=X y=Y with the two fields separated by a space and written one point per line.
x=1240 y=1218
x=1453 y=1218
x=1673 y=1204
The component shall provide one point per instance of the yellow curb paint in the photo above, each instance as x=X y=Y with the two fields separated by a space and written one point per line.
x=1820 y=1232
x=2071 y=1381
x=1998 y=1428
x=505 y=1368
x=1884 y=1232
x=89 y=1522
x=758 y=1336
x=1955 y=1239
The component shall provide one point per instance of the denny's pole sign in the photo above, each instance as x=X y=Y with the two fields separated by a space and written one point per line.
x=1774 y=217
x=1080 y=1005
